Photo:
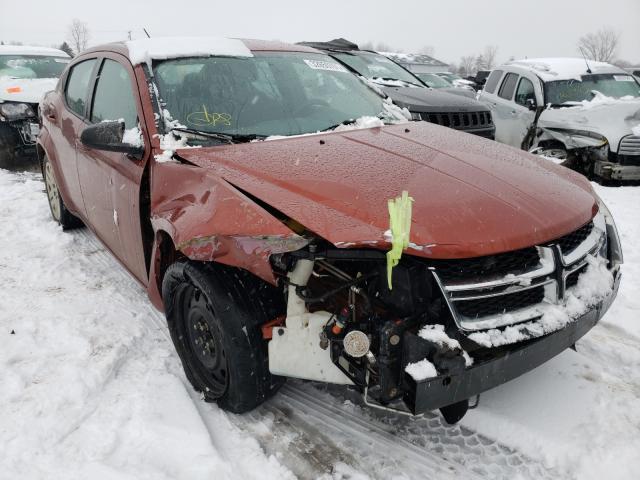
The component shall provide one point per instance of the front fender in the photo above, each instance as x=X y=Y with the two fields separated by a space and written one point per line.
x=208 y=219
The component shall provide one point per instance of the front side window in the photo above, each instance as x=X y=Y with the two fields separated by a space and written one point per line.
x=492 y=81
x=525 y=92
x=113 y=99
x=564 y=92
x=508 y=86
x=376 y=67
x=77 y=89
x=275 y=93
x=32 y=66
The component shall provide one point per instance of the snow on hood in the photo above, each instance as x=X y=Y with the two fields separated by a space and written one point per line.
x=29 y=90
x=612 y=118
x=162 y=48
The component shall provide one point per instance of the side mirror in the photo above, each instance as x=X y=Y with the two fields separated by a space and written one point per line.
x=530 y=103
x=108 y=136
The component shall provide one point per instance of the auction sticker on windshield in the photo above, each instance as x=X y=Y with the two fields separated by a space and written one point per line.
x=324 y=65
x=623 y=78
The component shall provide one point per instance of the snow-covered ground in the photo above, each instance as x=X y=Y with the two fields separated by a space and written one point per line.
x=90 y=386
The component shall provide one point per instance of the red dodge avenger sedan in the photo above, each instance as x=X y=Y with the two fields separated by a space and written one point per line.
x=291 y=222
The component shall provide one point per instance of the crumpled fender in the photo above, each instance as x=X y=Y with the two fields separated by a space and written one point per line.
x=571 y=139
x=216 y=222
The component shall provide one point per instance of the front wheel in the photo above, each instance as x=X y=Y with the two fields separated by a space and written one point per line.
x=214 y=315
x=59 y=211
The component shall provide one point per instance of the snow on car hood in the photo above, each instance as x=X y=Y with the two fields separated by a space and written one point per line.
x=28 y=90
x=472 y=196
x=428 y=100
x=609 y=117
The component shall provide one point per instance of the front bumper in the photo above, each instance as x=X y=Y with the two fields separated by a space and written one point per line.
x=438 y=392
x=615 y=171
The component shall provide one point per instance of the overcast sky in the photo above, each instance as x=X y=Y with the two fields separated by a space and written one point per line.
x=453 y=28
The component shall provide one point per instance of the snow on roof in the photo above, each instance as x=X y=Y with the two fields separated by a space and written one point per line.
x=550 y=69
x=28 y=50
x=162 y=48
x=414 y=58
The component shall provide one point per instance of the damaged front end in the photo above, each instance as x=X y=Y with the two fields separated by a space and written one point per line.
x=476 y=323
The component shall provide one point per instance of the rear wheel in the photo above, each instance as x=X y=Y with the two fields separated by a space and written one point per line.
x=59 y=211
x=214 y=315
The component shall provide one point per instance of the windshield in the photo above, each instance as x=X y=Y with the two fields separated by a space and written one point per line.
x=573 y=90
x=375 y=66
x=433 y=80
x=32 y=66
x=283 y=93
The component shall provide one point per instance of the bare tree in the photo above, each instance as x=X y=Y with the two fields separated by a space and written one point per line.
x=600 y=46
x=489 y=56
x=466 y=64
x=78 y=35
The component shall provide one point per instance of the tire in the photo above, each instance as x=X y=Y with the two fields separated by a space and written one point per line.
x=58 y=209
x=222 y=308
x=9 y=140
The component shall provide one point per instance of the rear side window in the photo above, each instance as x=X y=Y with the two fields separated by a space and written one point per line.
x=78 y=86
x=114 y=99
x=508 y=86
x=492 y=81
x=525 y=92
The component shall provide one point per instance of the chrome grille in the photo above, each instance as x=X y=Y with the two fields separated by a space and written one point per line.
x=629 y=145
x=510 y=288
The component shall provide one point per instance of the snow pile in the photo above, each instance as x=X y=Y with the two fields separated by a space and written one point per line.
x=172 y=141
x=600 y=99
x=386 y=82
x=362 y=122
x=593 y=286
x=424 y=368
x=133 y=137
x=437 y=335
x=636 y=130
x=421 y=370
x=162 y=48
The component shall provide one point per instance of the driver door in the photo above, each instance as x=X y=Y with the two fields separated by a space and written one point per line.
x=524 y=111
x=111 y=180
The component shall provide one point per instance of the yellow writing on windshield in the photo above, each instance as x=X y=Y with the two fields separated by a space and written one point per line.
x=203 y=118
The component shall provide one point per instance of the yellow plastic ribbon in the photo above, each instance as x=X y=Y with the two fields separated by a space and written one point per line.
x=400 y=226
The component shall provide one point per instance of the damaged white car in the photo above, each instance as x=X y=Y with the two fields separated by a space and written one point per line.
x=582 y=114
x=26 y=74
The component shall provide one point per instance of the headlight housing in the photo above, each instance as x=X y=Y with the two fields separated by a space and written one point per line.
x=614 y=248
x=16 y=111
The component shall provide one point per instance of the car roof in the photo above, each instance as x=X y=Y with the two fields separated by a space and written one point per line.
x=414 y=59
x=161 y=48
x=550 y=69
x=30 y=50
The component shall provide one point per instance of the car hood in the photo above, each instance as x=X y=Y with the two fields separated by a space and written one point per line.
x=611 y=120
x=28 y=90
x=472 y=196
x=428 y=100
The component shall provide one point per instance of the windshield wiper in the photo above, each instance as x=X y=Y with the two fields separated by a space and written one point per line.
x=230 y=138
x=350 y=121
x=389 y=79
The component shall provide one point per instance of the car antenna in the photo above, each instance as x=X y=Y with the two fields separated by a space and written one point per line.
x=585 y=60
x=149 y=36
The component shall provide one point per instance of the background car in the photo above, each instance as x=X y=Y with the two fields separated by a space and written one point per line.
x=457 y=80
x=584 y=115
x=26 y=73
x=407 y=90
